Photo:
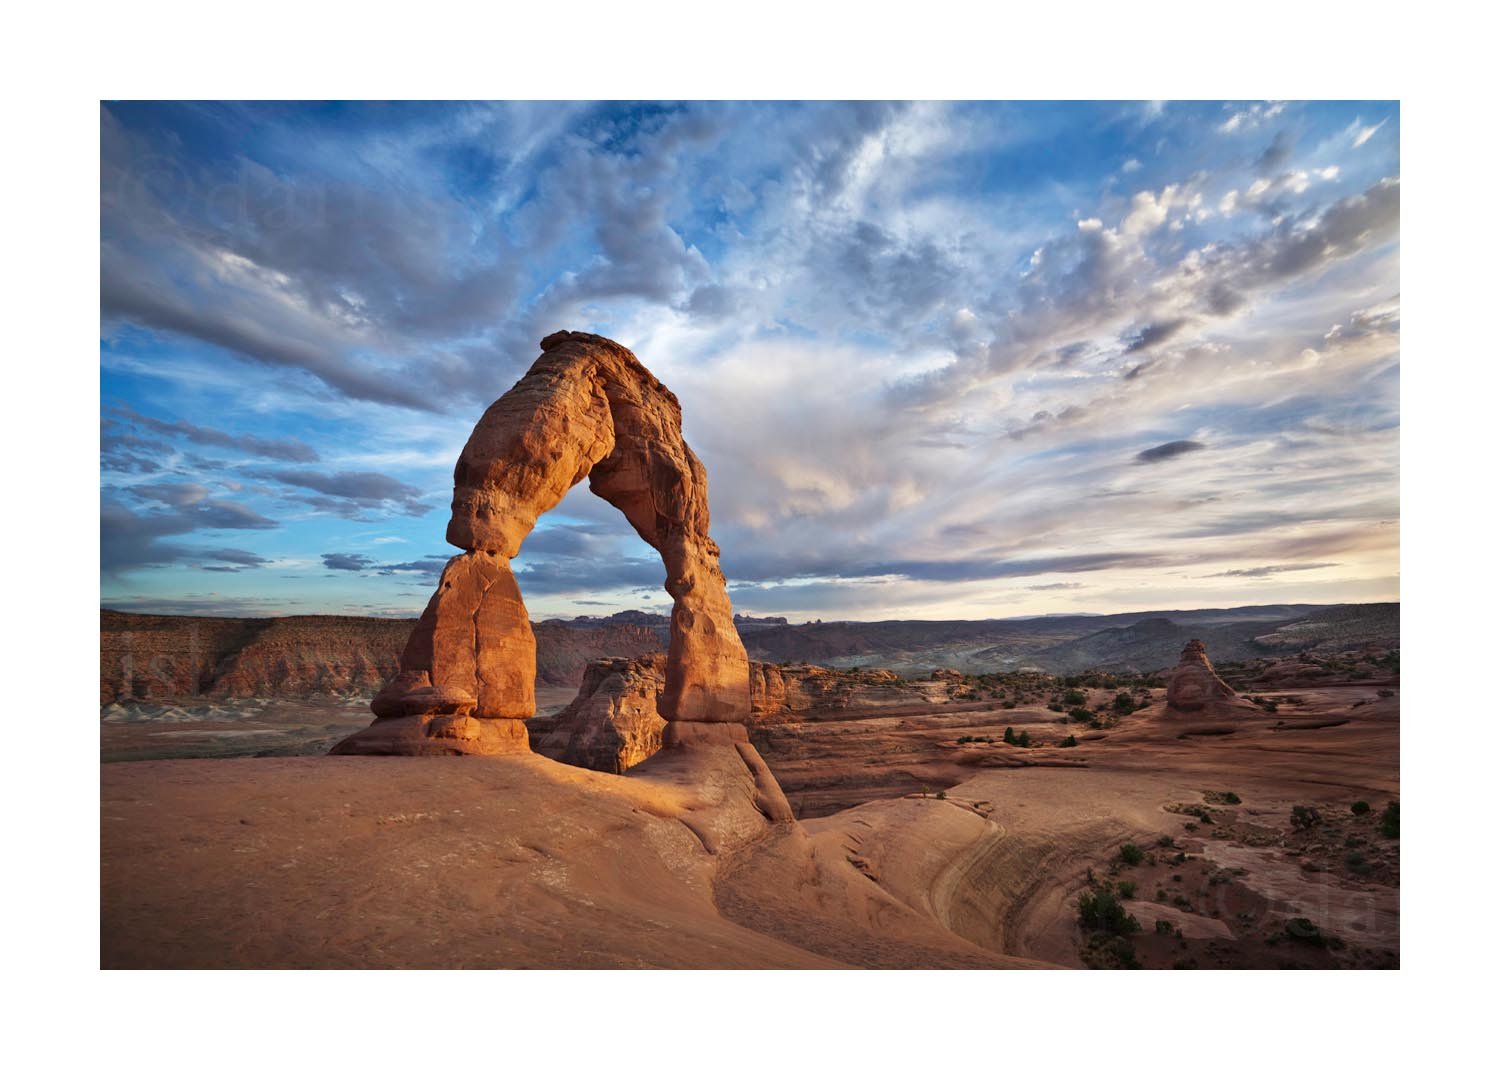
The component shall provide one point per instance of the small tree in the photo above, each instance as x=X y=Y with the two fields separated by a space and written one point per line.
x=1010 y=735
x=1305 y=817
x=1390 y=820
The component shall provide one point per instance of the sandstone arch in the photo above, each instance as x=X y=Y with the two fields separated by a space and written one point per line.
x=586 y=408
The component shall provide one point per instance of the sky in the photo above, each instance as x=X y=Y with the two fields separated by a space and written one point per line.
x=940 y=361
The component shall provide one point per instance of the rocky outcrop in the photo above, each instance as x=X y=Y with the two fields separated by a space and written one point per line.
x=1193 y=686
x=613 y=724
x=587 y=407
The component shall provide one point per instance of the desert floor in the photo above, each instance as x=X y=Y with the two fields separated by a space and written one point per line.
x=914 y=850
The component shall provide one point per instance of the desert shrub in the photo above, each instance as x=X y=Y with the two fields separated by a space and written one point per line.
x=1024 y=739
x=1100 y=911
x=1126 y=889
x=1124 y=703
x=1227 y=798
x=1356 y=863
x=1164 y=841
x=966 y=739
x=1069 y=742
x=1163 y=927
x=1010 y=736
x=942 y=795
x=1074 y=698
x=1305 y=817
x=1080 y=715
x=1055 y=707
x=1008 y=704
x=1390 y=820
x=1385 y=692
x=1304 y=931
x=1131 y=854
x=1360 y=808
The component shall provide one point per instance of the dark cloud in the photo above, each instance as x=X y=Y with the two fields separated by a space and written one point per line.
x=1166 y=451
x=1153 y=334
x=1277 y=153
x=275 y=449
x=1055 y=587
x=347 y=562
x=360 y=490
x=130 y=540
x=1262 y=571
x=429 y=567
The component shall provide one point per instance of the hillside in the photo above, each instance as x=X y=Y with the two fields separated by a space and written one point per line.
x=170 y=659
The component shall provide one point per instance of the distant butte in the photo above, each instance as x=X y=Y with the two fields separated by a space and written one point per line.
x=1193 y=686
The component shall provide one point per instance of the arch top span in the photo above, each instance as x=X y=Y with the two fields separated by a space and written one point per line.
x=586 y=408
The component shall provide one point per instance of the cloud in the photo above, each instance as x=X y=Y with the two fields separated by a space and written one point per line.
x=130 y=540
x=910 y=351
x=349 y=493
x=1166 y=451
x=1153 y=334
x=1359 y=134
x=1277 y=153
x=1263 y=571
x=275 y=449
x=347 y=562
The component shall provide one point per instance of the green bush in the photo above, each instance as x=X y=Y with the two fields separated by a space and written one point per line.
x=1390 y=820
x=1069 y=742
x=1359 y=809
x=1131 y=855
x=1305 y=817
x=1100 y=911
x=1074 y=698
x=1126 y=889
x=1024 y=739
x=1304 y=931
x=1163 y=927
x=1124 y=703
x=942 y=795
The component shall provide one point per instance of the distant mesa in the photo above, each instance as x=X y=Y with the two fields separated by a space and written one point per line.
x=1195 y=688
x=586 y=408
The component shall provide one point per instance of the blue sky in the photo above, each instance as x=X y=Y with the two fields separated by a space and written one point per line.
x=940 y=360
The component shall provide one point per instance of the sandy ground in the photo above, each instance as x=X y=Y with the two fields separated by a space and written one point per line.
x=521 y=862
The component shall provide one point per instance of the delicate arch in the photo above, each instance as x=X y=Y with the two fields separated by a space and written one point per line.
x=586 y=408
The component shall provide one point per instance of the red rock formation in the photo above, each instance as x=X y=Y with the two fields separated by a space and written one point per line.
x=613 y=724
x=587 y=408
x=1194 y=687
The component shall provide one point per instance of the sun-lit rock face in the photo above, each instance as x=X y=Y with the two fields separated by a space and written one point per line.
x=587 y=408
